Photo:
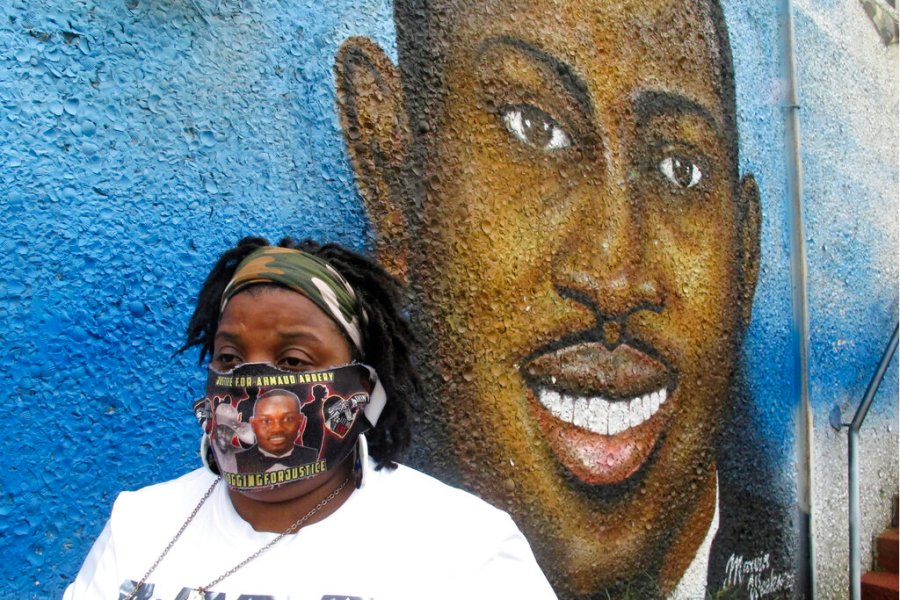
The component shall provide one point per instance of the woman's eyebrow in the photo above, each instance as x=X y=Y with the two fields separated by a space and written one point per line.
x=569 y=79
x=289 y=335
x=297 y=335
x=227 y=336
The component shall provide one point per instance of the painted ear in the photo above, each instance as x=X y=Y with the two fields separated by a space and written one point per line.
x=750 y=232
x=376 y=131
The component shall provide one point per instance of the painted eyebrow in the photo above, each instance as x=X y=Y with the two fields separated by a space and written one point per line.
x=647 y=105
x=651 y=104
x=563 y=71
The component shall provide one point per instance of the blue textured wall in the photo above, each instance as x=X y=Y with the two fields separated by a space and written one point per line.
x=140 y=138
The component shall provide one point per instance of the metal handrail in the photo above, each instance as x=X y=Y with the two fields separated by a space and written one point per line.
x=853 y=457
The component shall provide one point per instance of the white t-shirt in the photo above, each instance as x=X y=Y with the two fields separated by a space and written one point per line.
x=404 y=535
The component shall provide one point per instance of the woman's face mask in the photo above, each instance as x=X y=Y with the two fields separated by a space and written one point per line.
x=268 y=427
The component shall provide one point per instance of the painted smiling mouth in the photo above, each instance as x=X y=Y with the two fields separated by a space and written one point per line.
x=600 y=415
x=601 y=410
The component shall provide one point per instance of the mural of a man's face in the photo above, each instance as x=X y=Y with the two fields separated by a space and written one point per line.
x=562 y=195
x=276 y=423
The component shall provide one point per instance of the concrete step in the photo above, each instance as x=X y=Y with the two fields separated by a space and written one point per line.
x=886 y=550
x=877 y=585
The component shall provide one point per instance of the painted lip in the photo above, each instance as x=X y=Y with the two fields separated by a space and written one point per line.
x=601 y=411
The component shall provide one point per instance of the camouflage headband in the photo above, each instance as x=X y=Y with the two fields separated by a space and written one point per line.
x=305 y=274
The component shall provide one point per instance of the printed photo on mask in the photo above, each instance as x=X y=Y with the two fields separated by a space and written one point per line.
x=266 y=427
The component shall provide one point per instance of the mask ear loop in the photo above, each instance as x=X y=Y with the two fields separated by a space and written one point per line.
x=361 y=460
x=206 y=455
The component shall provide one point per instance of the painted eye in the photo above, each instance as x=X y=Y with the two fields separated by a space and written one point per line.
x=534 y=127
x=680 y=171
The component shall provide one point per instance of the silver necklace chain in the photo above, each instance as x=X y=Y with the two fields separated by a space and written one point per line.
x=203 y=589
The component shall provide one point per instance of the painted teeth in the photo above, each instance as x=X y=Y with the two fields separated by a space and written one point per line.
x=599 y=415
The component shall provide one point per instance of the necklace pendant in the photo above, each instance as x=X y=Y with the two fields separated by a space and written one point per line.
x=196 y=594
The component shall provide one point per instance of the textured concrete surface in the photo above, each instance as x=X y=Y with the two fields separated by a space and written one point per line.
x=849 y=120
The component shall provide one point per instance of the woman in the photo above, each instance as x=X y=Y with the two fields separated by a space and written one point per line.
x=308 y=348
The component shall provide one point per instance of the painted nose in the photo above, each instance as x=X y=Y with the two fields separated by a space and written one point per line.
x=605 y=261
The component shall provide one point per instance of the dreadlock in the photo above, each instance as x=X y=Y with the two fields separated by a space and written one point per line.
x=387 y=338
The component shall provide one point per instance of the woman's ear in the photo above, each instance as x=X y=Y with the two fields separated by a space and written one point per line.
x=376 y=131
